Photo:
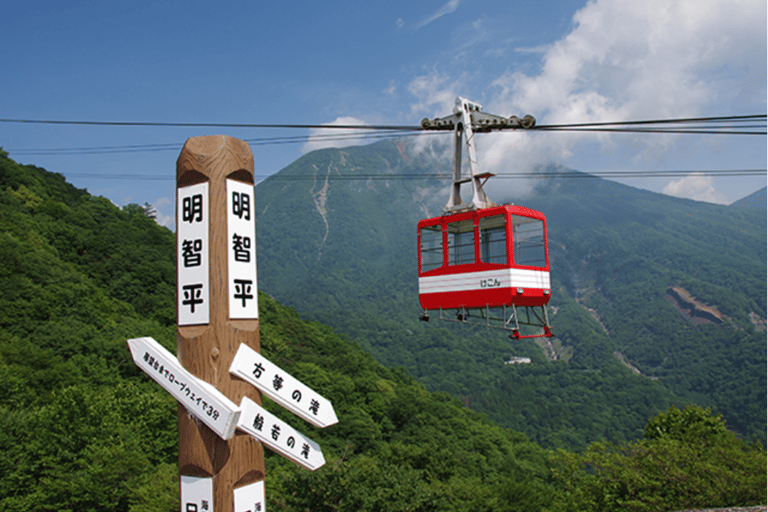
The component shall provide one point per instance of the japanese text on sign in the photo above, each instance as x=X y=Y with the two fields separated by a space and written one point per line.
x=241 y=230
x=192 y=221
x=200 y=398
x=250 y=498
x=281 y=387
x=279 y=436
x=196 y=494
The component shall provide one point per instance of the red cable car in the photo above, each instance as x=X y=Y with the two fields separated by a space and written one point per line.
x=485 y=261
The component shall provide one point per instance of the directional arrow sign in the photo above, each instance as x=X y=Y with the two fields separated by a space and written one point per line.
x=278 y=436
x=201 y=399
x=252 y=367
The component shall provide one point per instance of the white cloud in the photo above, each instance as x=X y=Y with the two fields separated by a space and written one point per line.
x=448 y=8
x=627 y=60
x=695 y=186
x=335 y=138
x=391 y=89
x=166 y=214
x=622 y=60
x=435 y=93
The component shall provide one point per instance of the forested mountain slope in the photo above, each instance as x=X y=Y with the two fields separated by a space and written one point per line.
x=81 y=428
x=84 y=429
x=632 y=273
x=756 y=199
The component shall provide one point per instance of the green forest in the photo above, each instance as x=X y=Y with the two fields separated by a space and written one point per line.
x=83 y=429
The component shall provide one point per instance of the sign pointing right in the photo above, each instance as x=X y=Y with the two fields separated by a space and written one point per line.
x=280 y=437
x=278 y=385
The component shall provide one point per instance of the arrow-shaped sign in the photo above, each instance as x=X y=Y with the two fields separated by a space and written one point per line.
x=201 y=399
x=278 y=436
x=278 y=385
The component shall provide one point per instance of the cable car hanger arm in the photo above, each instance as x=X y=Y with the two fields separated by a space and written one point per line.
x=468 y=118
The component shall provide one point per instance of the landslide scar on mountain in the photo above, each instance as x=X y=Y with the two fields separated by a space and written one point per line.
x=691 y=309
x=758 y=322
x=321 y=198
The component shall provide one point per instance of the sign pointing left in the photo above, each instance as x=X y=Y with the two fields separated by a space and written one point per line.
x=201 y=399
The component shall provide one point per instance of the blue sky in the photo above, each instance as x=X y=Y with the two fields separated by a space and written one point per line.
x=392 y=62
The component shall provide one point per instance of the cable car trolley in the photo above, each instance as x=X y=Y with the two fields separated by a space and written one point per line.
x=479 y=262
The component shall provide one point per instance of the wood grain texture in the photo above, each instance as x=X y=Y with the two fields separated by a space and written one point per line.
x=207 y=350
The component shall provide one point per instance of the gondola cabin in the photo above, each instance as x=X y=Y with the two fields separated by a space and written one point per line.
x=485 y=258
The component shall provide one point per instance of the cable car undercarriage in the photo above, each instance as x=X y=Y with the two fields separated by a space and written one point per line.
x=508 y=318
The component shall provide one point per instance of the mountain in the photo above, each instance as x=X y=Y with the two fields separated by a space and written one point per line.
x=656 y=300
x=756 y=199
x=82 y=428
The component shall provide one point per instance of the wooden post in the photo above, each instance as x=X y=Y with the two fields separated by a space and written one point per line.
x=213 y=177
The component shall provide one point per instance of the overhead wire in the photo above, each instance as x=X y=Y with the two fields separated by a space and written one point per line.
x=209 y=125
x=717 y=119
x=264 y=141
x=447 y=176
x=390 y=131
x=703 y=125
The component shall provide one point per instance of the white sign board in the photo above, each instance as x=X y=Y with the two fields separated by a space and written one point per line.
x=241 y=242
x=192 y=214
x=278 y=385
x=278 y=436
x=196 y=494
x=201 y=399
x=250 y=498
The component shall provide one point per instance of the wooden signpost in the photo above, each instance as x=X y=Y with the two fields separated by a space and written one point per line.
x=218 y=363
x=217 y=306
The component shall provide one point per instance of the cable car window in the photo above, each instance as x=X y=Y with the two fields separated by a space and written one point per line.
x=493 y=240
x=461 y=242
x=528 y=238
x=431 y=247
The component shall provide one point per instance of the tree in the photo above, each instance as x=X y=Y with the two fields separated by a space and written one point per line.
x=688 y=459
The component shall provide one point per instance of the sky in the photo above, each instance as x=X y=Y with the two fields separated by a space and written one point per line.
x=381 y=63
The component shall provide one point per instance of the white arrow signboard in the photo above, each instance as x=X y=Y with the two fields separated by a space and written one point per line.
x=279 y=436
x=201 y=399
x=278 y=385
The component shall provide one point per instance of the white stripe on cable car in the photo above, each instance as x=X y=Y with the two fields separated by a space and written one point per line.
x=485 y=280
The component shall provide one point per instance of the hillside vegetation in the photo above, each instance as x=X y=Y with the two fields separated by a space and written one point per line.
x=84 y=430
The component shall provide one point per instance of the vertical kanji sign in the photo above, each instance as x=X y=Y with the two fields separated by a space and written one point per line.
x=241 y=229
x=196 y=494
x=217 y=312
x=193 y=254
x=250 y=498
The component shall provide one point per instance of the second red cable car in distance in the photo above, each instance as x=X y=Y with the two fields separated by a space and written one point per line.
x=483 y=260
